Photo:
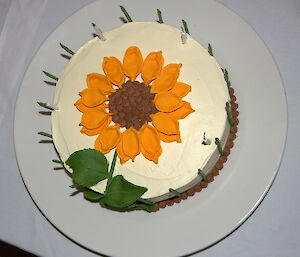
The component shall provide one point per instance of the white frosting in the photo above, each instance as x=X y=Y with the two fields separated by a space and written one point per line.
x=179 y=162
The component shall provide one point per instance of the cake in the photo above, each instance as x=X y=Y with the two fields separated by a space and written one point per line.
x=194 y=153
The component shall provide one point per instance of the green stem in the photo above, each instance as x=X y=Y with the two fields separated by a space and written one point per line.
x=218 y=143
x=201 y=173
x=50 y=75
x=210 y=51
x=66 y=48
x=171 y=190
x=159 y=16
x=44 y=105
x=145 y=201
x=112 y=167
x=45 y=134
x=126 y=13
x=58 y=161
x=185 y=27
x=229 y=117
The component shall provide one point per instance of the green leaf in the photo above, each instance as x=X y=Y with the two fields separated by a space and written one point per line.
x=74 y=186
x=142 y=206
x=210 y=51
x=102 y=202
x=121 y=193
x=45 y=134
x=89 y=167
x=92 y=195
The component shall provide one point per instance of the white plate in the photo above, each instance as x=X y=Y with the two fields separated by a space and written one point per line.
x=207 y=217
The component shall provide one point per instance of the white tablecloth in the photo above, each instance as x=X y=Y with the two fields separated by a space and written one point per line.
x=273 y=229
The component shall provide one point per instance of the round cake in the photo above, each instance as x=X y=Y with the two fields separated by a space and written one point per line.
x=176 y=164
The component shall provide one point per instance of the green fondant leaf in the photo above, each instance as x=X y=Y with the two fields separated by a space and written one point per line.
x=142 y=206
x=92 y=195
x=121 y=193
x=89 y=167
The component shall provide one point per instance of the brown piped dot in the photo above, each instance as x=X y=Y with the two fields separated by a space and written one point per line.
x=223 y=159
x=229 y=144
x=210 y=178
x=203 y=184
x=177 y=200
x=219 y=165
x=233 y=129
x=233 y=99
x=231 y=91
x=169 y=202
x=232 y=136
x=226 y=151
x=190 y=192
x=234 y=106
x=198 y=188
x=184 y=196
x=235 y=121
x=235 y=113
x=215 y=171
x=162 y=204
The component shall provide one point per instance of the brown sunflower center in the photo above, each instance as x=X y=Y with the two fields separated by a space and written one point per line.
x=132 y=105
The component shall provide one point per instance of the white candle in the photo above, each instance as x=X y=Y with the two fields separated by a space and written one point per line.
x=53 y=107
x=183 y=37
x=205 y=141
x=98 y=32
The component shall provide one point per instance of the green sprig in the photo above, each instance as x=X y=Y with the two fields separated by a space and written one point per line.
x=186 y=29
x=218 y=143
x=201 y=173
x=159 y=16
x=58 y=161
x=66 y=48
x=226 y=77
x=175 y=192
x=229 y=117
x=45 y=134
x=126 y=13
x=50 y=75
x=45 y=105
x=210 y=51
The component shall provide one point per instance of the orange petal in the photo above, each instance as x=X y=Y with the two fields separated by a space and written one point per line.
x=181 y=89
x=152 y=67
x=109 y=137
x=183 y=111
x=98 y=147
x=150 y=143
x=82 y=108
x=92 y=97
x=101 y=82
x=167 y=101
x=132 y=62
x=93 y=132
x=130 y=143
x=123 y=158
x=150 y=157
x=113 y=70
x=165 y=123
x=166 y=79
x=169 y=138
x=93 y=118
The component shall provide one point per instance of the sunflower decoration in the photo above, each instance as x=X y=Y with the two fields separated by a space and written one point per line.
x=148 y=112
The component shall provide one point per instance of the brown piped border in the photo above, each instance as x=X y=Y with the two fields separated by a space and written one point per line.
x=219 y=164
